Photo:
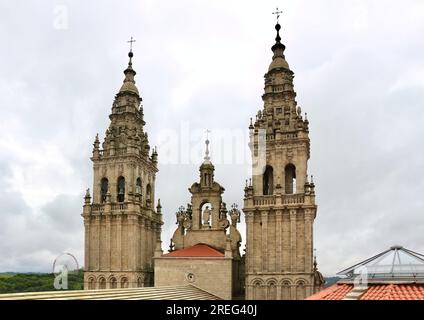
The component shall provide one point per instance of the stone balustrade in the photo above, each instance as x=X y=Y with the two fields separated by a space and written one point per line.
x=283 y=199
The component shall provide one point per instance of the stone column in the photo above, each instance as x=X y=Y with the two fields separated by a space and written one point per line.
x=293 y=293
x=132 y=239
x=308 y=241
x=293 y=250
x=112 y=189
x=108 y=242
x=264 y=240
x=148 y=244
x=279 y=291
x=119 y=239
x=250 y=247
x=98 y=239
x=152 y=241
x=278 y=244
x=143 y=244
x=138 y=252
x=87 y=240
x=96 y=184
x=131 y=185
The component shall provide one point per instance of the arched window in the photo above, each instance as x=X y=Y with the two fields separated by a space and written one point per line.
x=258 y=291
x=206 y=178
x=121 y=189
x=138 y=186
x=272 y=291
x=206 y=213
x=102 y=283
x=285 y=291
x=104 y=186
x=268 y=181
x=147 y=281
x=148 y=194
x=124 y=283
x=113 y=283
x=91 y=284
x=290 y=179
x=140 y=282
x=300 y=290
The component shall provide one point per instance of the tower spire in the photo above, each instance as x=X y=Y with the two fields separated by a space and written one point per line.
x=129 y=83
x=278 y=60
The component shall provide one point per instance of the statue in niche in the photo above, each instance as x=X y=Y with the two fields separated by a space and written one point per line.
x=206 y=215
x=122 y=140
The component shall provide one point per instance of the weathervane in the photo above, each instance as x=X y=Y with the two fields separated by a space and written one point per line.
x=277 y=12
x=131 y=43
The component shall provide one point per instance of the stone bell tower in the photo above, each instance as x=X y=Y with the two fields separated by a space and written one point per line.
x=204 y=248
x=121 y=224
x=206 y=218
x=279 y=202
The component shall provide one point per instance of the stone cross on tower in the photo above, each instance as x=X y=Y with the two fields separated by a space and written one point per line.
x=207 y=145
x=277 y=12
x=131 y=42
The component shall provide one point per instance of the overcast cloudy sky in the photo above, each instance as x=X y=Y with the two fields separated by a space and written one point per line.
x=359 y=74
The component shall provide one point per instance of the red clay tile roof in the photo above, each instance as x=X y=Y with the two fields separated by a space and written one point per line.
x=390 y=291
x=334 y=292
x=394 y=292
x=198 y=250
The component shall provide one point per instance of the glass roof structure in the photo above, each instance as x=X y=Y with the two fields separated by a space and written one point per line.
x=396 y=263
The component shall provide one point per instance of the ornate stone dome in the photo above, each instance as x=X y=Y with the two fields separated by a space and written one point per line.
x=278 y=62
x=129 y=86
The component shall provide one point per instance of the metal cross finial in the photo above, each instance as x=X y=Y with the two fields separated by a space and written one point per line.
x=207 y=145
x=277 y=12
x=131 y=43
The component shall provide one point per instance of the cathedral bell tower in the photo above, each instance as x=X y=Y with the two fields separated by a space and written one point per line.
x=279 y=201
x=121 y=224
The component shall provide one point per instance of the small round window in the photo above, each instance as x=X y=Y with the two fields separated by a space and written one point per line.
x=190 y=277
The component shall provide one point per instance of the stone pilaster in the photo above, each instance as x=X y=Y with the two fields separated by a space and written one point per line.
x=293 y=236
x=250 y=248
x=278 y=237
x=119 y=239
x=264 y=241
